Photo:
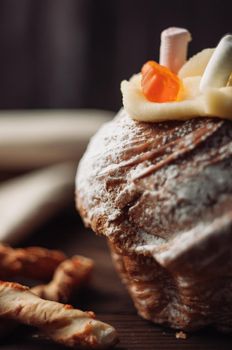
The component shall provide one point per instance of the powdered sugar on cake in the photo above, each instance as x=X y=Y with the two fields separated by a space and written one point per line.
x=162 y=195
x=139 y=181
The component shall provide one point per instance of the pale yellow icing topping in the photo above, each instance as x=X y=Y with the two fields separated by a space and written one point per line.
x=214 y=102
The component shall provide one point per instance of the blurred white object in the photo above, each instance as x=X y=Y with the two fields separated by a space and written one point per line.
x=30 y=139
x=219 y=68
x=28 y=201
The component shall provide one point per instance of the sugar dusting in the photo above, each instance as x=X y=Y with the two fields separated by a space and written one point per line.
x=159 y=191
x=123 y=187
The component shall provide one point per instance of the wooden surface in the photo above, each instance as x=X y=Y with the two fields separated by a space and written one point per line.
x=106 y=296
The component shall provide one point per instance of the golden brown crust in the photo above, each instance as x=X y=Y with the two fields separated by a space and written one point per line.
x=36 y=262
x=33 y=262
x=69 y=276
x=61 y=323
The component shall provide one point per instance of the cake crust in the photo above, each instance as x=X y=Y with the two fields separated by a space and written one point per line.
x=162 y=195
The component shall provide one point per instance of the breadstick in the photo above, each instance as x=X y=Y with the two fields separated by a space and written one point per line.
x=34 y=262
x=29 y=200
x=59 y=322
x=69 y=275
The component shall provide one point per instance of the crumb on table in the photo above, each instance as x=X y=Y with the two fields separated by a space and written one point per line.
x=181 y=335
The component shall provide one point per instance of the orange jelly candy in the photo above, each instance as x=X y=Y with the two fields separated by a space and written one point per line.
x=159 y=84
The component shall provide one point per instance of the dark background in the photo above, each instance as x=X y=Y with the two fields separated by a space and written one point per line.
x=74 y=53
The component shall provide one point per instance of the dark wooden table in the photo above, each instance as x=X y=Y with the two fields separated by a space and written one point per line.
x=106 y=296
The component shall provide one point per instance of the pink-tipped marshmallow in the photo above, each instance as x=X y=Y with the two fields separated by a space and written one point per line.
x=173 y=48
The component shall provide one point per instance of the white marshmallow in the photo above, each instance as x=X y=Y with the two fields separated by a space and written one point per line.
x=219 y=68
x=173 y=48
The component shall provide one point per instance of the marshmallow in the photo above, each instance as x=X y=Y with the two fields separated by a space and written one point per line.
x=219 y=68
x=173 y=48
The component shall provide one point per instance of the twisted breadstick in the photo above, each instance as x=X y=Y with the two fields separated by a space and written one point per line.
x=34 y=262
x=68 y=277
x=61 y=323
